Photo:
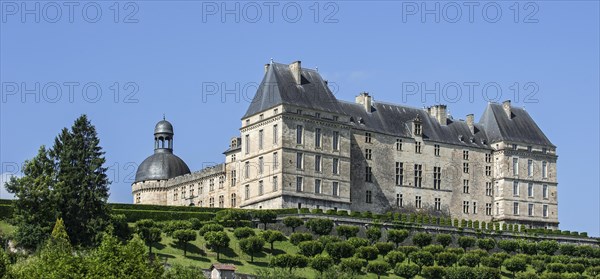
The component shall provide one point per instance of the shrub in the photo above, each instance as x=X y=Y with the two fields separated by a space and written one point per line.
x=216 y=240
x=210 y=228
x=373 y=234
x=486 y=273
x=384 y=247
x=395 y=257
x=355 y=214
x=347 y=231
x=446 y=259
x=466 y=242
x=538 y=265
x=133 y=215
x=320 y=226
x=183 y=237
x=528 y=247
x=469 y=259
x=310 y=248
x=593 y=271
x=326 y=239
x=378 y=268
x=457 y=251
x=251 y=246
x=567 y=249
x=515 y=264
x=433 y=272
x=421 y=258
x=434 y=249
x=461 y=272
x=196 y=223
x=243 y=232
x=552 y=276
x=172 y=226
x=527 y=275
x=421 y=239
x=316 y=211
x=293 y=222
x=366 y=214
x=444 y=239
x=271 y=236
x=486 y=243
x=556 y=267
x=406 y=270
x=493 y=262
x=397 y=236
x=342 y=213
x=358 y=242
x=352 y=265
x=289 y=261
x=407 y=249
x=304 y=210
x=321 y=263
x=298 y=237
x=509 y=246
x=575 y=268
x=339 y=250
x=265 y=216
x=367 y=252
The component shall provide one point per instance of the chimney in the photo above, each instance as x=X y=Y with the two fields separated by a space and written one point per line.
x=267 y=67
x=471 y=123
x=296 y=69
x=365 y=100
x=439 y=113
x=506 y=107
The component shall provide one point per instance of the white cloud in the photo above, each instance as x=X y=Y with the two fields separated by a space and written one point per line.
x=5 y=177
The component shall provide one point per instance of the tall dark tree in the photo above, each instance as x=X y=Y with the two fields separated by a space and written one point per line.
x=82 y=184
x=34 y=211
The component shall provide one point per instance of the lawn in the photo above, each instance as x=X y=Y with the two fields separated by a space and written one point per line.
x=6 y=228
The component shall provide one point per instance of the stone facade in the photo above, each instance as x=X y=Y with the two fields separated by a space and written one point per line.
x=373 y=156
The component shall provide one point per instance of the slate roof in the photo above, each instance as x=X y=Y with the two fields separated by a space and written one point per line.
x=160 y=166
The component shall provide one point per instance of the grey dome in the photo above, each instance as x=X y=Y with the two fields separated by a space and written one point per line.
x=160 y=166
x=163 y=127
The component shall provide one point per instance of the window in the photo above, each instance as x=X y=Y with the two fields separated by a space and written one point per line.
x=275 y=134
x=488 y=170
x=418 y=147
x=497 y=208
x=221 y=201
x=233 y=177
x=175 y=196
x=488 y=158
x=530 y=209
x=247 y=121
x=336 y=140
x=369 y=197
x=299 y=161
x=529 y=167
x=317 y=186
x=221 y=182
x=260 y=139
x=298 y=111
x=545 y=191
x=261 y=117
x=299 y=184
x=465 y=207
x=418 y=201
x=436 y=150
x=530 y=190
x=544 y=169
x=368 y=137
x=275 y=184
x=247 y=142
x=438 y=204
x=489 y=190
x=211 y=184
x=275 y=111
x=488 y=209
x=474 y=207
x=317 y=137
x=516 y=188
x=368 y=174
x=247 y=192
x=336 y=166
x=544 y=150
x=529 y=148
x=335 y=118
x=545 y=210
x=261 y=188
x=466 y=167
x=368 y=154
x=317 y=115
x=233 y=200
x=247 y=170
x=398 y=144
x=418 y=129
x=335 y=188
x=465 y=155
x=200 y=190
x=516 y=208
x=275 y=160
x=260 y=165
x=515 y=166
x=465 y=186
x=399 y=200
x=299 y=134
x=399 y=173
x=233 y=157
x=418 y=175
x=514 y=147
x=437 y=177
x=211 y=202
x=318 y=163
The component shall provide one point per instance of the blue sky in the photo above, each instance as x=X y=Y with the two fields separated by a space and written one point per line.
x=162 y=56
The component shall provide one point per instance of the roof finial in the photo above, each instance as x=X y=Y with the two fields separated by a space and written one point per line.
x=317 y=68
x=271 y=60
x=164 y=116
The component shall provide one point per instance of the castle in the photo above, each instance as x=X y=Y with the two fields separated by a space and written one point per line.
x=300 y=147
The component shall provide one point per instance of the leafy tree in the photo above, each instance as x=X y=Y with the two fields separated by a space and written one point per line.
x=565 y=249
x=528 y=247
x=434 y=249
x=175 y=225
x=444 y=239
x=378 y=268
x=446 y=259
x=547 y=247
x=149 y=232
x=421 y=258
x=593 y=271
x=538 y=265
x=460 y=272
x=326 y=239
x=527 y=275
x=469 y=259
x=184 y=237
x=243 y=232
x=358 y=242
x=196 y=223
x=421 y=239
x=397 y=236
x=433 y=272
x=178 y=271
x=395 y=257
x=575 y=268
x=486 y=243
x=352 y=265
x=556 y=267
x=407 y=250
x=320 y=263
x=373 y=234
x=210 y=228
x=216 y=241
x=347 y=231
x=339 y=250
x=466 y=242
x=120 y=226
x=368 y=253
x=310 y=248
x=296 y=238
x=233 y=217
x=486 y=273
x=509 y=246
x=265 y=216
x=515 y=264
x=293 y=222
x=251 y=246
x=270 y=236
x=493 y=262
x=384 y=247
x=406 y=270
x=4 y=263
x=289 y=261
x=320 y=226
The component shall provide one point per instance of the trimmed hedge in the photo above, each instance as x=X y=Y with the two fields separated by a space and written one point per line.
x=127 y=206
x=6 y=211
x=9 y=202
x=156 y=215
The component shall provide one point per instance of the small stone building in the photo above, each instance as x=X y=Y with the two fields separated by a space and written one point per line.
x=222 y=271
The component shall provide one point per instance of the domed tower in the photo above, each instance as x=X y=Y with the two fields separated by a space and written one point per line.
x=161 y=165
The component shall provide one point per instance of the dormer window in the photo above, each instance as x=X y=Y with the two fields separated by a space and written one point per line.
x=417 y=127
x=299 y=111
x=529 y=148
x=335 y=118
x=261 y=117
x=317 y=115
x=461 y=138
x=361 y=120
x=351 y=119
x=544 y=150
x=514 y=146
